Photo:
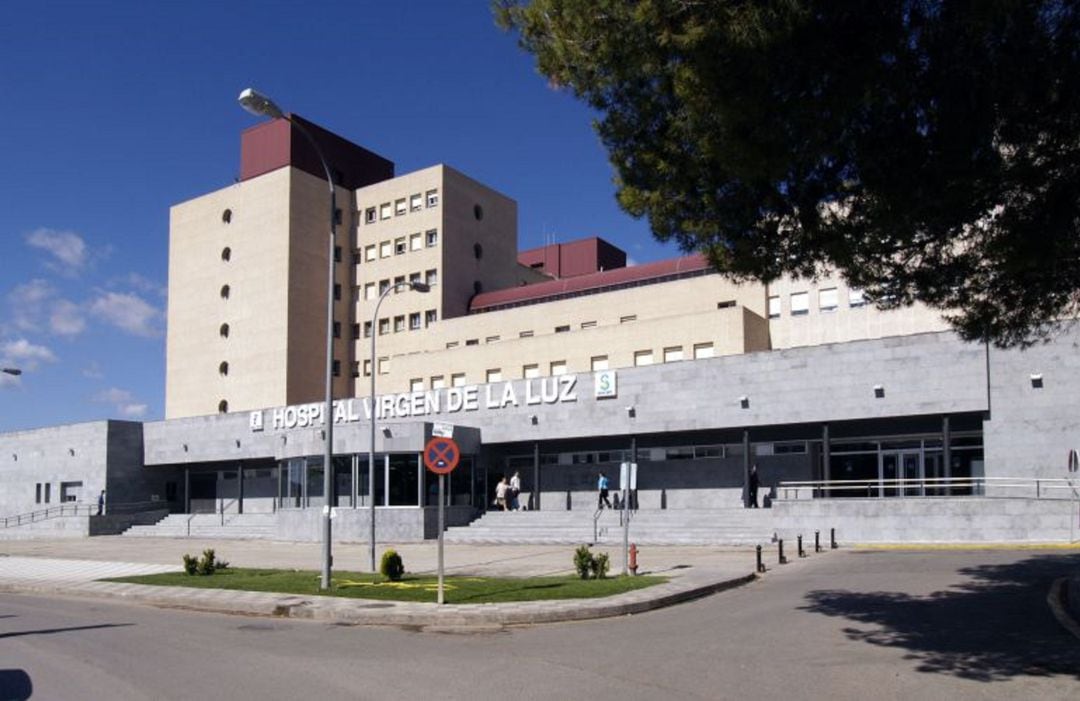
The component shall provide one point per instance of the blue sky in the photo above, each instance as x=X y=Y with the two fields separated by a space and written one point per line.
x=113 y=111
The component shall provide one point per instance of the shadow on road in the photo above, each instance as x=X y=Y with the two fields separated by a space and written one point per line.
x=52 y=631
x=995 y=626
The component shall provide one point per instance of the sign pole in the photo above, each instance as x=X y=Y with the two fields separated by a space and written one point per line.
x=442 y=524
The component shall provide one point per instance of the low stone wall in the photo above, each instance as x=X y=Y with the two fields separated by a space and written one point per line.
x=929 y=520
x=392 y=525
x=60 y=527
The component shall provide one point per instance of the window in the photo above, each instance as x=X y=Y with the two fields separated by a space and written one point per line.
x=430 y=317
x=491 y=339
x=384 y=327
x=224 y=330
x=588 y=324
x=384 y=365
x=416 y=202
x=525 y=334
x=357 y=257
x=337 y=290
x=37 y=493
x=856 y=298
x=369 y=252
x=384 y=210
x=558 y=367
x=800 y=303
x=354 y=368
x=222 y=407
x=827 y=299
x=472 y=341
x=431 y=277
x=414 y=277
x=478 y=250
x=673 y=354
x=336 y=368
x=457 y=379
x=432 y=238
x=726 y=304
x=452 y=344
x=703 y=350
x=530 y=371
x=225 y=289
x=416 y=242
x=399 y=246
x=400 y=207
x=562 y=329
x=399 y=323
x=367 y=329
x=367 y=368
x=226 y=254
x=337 y=254
x=432 y=198
x=416 y=384
x=226 y=216
x=337 y=329
x=369 y=215
x=598 y=362
x=384 y=285
x=643 y=358
x=369 y=291
x=223 y=368
x=494 y=375
x=414 y=321
x=437 y=382
x=356 y=332
x=774 y=307
x=399 y=280
x=385 y=249
x=625 y=319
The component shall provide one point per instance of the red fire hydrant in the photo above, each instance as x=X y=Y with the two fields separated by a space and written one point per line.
x=633 y=558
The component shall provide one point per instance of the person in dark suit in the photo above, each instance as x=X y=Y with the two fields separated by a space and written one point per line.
x=753 y=487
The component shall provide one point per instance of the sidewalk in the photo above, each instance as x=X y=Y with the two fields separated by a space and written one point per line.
x=69 y=568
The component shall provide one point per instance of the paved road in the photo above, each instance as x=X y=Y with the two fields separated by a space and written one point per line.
x=850 y=625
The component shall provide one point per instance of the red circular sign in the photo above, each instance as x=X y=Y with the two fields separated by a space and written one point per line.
x=441 y=455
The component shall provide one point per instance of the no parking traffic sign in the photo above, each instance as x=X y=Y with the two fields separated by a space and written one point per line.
x=441 y=455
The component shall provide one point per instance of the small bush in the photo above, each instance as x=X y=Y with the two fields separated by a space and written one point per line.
x=391 y=566
x=583 y=561
x=206 y=562
x=191 y=564
x=599 y=566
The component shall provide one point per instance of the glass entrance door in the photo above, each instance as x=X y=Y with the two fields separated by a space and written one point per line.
x=897 y=465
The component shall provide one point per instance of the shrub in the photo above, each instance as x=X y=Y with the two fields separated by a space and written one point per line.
x=191 y=564
x=391 y=566
x=206 y=562
x=599 y=566
x=583 y=561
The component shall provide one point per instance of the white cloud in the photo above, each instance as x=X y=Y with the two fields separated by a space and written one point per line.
x=122 y=400
x=128 y=312
x=93 y=371
x=24 y=355
x=630 y=262
x=68 y=250
x=142 y=284
x=27 y=302
x=67 y=319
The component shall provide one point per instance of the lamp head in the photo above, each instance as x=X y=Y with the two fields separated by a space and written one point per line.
x=259 y=105
x=420 y=286
x=12 y=371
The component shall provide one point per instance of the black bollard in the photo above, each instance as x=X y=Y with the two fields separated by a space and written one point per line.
x=832 y=538
x=802 y=553
x=760 y=564
x=817 y=541
x=782 y=559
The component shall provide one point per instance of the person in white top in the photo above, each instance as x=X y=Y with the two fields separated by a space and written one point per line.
x=515 y=490
x=500 y=493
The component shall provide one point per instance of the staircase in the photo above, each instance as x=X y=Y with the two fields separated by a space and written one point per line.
x=720 y=526
x=247 y=526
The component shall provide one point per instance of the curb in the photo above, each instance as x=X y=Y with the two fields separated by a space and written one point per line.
x=369 y=612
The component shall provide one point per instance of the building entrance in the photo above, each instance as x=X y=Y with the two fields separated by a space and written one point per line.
x=900 y=465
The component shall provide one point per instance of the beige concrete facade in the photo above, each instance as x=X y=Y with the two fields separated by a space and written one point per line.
x=440 y=227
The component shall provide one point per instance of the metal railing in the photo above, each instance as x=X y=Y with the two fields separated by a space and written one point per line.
x=70 y=509
x=929 y=487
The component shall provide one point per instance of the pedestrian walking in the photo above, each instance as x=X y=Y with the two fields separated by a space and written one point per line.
x=101 y=503
x=752 y=488
x=501 y=490
x=602 y=488
x=515 y=490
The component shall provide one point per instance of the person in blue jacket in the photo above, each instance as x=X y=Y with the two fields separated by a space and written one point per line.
x=602 y=487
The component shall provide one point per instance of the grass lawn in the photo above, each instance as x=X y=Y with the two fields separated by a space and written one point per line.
x=458 y=590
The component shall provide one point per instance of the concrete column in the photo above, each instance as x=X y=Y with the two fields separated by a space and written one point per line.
x=187 y=490
x=946 y=450
x=746 y=467
x=826 y=454
x=240 y=488
x=279 y=498
x=536 y=476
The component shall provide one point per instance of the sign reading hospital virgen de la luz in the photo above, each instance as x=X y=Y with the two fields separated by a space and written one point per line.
x=495 y=396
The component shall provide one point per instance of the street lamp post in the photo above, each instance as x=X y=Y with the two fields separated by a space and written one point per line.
x=262 y=106
x=419 y=287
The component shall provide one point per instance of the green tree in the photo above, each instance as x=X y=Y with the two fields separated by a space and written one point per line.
x=927 y=150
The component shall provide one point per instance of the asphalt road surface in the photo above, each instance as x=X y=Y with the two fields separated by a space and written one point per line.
x=845 y=625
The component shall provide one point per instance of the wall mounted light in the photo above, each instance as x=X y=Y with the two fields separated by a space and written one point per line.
x=386 y=431
x=879 y=391
x=631 y=411
x=534 y=419
x=237 y=442
x=185 y=447
x=744 y=402
x=1037 y=380
x=71 y=452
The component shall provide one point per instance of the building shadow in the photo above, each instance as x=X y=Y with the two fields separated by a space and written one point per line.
x=992 y=627
x=15 y=685
x=53 y=631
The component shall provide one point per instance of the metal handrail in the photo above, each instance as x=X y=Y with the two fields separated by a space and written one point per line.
x=1042 y=487
x=595 y=526
x=70 y=509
